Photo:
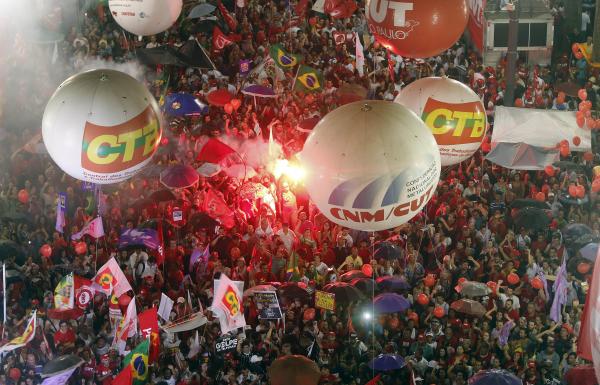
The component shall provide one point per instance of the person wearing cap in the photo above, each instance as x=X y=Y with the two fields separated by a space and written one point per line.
x=103 y=371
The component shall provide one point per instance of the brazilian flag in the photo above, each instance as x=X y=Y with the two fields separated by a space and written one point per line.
x=308 y=79
x=283 y=59
x=138 y=360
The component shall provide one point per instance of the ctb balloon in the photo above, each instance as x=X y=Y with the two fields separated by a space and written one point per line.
x=101 y=126
x=371 y=166
x=452 y=111
x=145 y=17
x=417 y=28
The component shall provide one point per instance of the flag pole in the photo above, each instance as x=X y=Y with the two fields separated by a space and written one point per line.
x=4 y=296
x=295 y=78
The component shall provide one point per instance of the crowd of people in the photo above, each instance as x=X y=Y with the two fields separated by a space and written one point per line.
x=467 y=230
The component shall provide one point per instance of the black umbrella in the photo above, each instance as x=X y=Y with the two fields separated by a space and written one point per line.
x=365 y=285
x=203 y=26
x=568 y=165
x=387 y=250
x=164 y=54
x=344 y=292
x=291 y=290
x=61 y=364
x=194 y=55
x=532 y=218
x=573 y=231
x=163 y=196
x=521 y=203
x=9 y=249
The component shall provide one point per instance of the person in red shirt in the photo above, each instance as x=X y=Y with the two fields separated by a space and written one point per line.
x=64 y=338
x=264 y=276
x=103 y=372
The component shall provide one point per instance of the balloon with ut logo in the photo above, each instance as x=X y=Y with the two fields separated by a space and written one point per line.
x=371 y=166
x=145 y=17
x=101 y=126
x=452 y=111
x=417 y=28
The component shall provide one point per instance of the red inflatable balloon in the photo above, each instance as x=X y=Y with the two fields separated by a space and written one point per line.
x=235 y=103
x=46 y=250
x=23 y=196
x=549 y=170
x=422 y=299
x=461 y=280
x=573 y=191
x=541 y=197
x=228 y=108
x=537 y=283
x=583 y=268
x=596 y=185
x=582 y=94
x=513 y=278
x=588 y=156
x=417 y=29
x=429 y=280
x=80 y=248
x=576 y=140
x=309 y=314
x=438 y=311
x=367 y=270
x=14 y=374
x=518 y=103
x=413 y=316
x=492 y=285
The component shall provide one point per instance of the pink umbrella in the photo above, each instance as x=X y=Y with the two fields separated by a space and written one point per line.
x=179 y=176
x=219 y=98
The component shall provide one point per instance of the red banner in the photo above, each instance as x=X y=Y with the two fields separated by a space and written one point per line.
x=216 y=207
x=149 y=328
x=477 y=22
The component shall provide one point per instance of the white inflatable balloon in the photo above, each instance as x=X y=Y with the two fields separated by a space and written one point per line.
x=145 y=17
x=371 y=165
x=101 y=126
x=452 y=111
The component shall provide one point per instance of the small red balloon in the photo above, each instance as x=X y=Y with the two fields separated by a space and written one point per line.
x=413 y=316
x=46 y=250
x=519 y=102
x=492 y=285
x=583 y=268
x=573 y=191
x=164 y=141
x=367 y=270
x=14 y=374
x=236 y=103
x=23 y=196
x=576 y=140
x=537 y=283
x=422 y=299
x=438 y=312
x=461 y=280
x=228 y=108
x=540 y=197
x=588 y=156
x=549 y=170
x=513 y=278
x=582 y=94
x=309 y=314
x=429 y=280
x=80 y=248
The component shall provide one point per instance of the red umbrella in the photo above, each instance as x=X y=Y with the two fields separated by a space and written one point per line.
x=219 y=98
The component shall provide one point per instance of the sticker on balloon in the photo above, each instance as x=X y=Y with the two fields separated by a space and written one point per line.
x=107 y=150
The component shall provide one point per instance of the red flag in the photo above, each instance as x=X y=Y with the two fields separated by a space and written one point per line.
x=374 y=380
x=300 y=8
x=216 y=207
x=149 y=327
x=584 y=347
x=339 y=37
x=160 y=253
x=391 y=67
x=477 y=22
x=231 y=22
x=214 y=151
x=124 y=377
x=220 y=40
x=84 y=292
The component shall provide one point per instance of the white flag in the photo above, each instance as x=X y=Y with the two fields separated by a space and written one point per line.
x=228 y=305
x=165 y=307
x=360 y=55
x=127 y=327
x=93 y=228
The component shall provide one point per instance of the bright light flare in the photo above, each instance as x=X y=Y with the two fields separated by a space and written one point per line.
x=367 y=316
x=293 y=172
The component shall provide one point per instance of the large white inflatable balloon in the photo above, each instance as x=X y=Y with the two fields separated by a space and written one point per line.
x=371 y=165
x=452 y=111
x=145 y=17
x=101 y=126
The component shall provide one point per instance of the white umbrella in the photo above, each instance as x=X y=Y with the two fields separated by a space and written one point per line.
x=209 y=169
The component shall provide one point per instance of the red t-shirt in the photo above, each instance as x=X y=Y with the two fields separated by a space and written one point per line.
x=64 y=338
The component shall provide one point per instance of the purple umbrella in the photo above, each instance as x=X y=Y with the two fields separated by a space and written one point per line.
x=495 y=377
x=179 y=176
x=390 y=303
x=392 y=283
x=387 y=362
x=589 y=251
x=257 y=91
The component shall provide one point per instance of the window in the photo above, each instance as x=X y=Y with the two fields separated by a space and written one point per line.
x=530 y=35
